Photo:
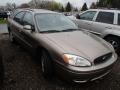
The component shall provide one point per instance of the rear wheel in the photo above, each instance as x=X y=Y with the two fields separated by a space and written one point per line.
x=115 y=42
x=46 y=65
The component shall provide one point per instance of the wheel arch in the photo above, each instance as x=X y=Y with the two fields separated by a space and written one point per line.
x=39 y=50
x=111 y=35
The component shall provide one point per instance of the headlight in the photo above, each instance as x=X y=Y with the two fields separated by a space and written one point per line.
x=76 y=60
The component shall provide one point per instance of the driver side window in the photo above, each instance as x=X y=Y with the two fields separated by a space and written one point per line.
x=28 y=19
x=88 y=15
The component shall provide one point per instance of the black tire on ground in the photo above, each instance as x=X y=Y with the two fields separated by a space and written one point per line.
x=46 y=65
x=115 y=42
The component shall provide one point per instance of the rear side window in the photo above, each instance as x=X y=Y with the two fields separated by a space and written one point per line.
x=118 y=19
x=18 y=17
x=13 y=13
x=105 y=17
x=88 y=15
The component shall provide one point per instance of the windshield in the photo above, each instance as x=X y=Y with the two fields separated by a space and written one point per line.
x=54 y=22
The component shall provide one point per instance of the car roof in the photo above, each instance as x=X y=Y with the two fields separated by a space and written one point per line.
x=42 y=11
x=106 y=10
x=36 y=10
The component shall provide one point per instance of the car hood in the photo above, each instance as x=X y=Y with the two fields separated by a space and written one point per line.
x=80 y=43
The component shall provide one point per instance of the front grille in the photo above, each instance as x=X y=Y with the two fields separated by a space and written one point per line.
x=102 y=59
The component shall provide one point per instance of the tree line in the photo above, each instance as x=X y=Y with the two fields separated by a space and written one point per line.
x=46 y=4
x=55 y=6
x=50 y=5
x=109 y=3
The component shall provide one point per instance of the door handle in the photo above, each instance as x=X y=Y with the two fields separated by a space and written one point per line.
x=108 y=27
x=87 y=23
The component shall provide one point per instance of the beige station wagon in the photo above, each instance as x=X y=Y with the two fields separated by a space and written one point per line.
x=72 y=53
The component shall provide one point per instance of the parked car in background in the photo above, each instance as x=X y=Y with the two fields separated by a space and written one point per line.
x=74 y=54
x=105 y=23
x=3 y=14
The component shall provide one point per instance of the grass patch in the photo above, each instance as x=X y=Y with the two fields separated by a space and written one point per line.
x=3 y=21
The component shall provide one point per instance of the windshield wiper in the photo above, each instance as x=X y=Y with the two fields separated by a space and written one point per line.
x=54 y=31
x=50 y=31
x=69 y=30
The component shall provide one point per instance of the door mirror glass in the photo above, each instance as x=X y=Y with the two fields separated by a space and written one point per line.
x=77 y=16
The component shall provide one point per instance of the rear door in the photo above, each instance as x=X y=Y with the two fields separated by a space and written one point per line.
x=86 y=20
x=17 y=25
x=104 y=21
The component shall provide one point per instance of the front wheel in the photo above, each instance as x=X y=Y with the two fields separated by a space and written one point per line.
x=115 y=42
x=46 y=65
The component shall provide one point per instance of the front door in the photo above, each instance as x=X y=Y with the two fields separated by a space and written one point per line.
x=86 y=20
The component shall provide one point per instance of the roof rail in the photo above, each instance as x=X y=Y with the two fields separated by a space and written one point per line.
x=28 y=9
x=108 y=8
x=114 y=8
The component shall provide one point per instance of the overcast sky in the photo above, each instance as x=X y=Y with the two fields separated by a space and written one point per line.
x=76 y=3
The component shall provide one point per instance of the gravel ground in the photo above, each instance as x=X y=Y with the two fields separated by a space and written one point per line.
x=22 y=72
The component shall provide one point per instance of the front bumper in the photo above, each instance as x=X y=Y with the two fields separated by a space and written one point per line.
x=79 y=75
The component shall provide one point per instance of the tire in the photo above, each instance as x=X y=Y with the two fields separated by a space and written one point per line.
x=46 y=65
x=11 y=37
x=115 y=42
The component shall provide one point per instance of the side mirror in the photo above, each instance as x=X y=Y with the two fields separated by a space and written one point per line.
x=28 y=27
x=77 y=16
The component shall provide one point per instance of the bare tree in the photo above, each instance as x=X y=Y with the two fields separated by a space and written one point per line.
x=45 y=4
x=10 y=6
x=37 y=3
x=14 y=5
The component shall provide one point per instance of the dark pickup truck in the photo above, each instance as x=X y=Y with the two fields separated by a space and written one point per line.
x=3 y=14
